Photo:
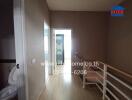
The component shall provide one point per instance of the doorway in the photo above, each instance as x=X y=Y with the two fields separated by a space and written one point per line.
x=63 y=51
x=46 y=49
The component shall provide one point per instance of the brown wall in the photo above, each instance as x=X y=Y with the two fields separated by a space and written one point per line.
x=6 y=18
x=7 y=41
x=89 y=31
x=36 y=12
x=120 y=40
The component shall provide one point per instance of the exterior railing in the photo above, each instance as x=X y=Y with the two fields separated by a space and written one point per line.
x=106 y=82
x=103 y=78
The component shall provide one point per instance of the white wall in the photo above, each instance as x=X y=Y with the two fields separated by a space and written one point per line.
x=36 y=12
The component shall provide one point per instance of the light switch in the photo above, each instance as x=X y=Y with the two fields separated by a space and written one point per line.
x=33 y=61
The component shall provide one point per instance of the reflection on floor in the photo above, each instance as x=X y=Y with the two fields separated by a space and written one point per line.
x=63 y=69
x=67 y=87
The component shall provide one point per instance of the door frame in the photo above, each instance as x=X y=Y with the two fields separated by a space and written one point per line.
x=53 y=45
x=20 y=47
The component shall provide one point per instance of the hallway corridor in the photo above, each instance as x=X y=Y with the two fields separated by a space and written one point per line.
x=67 y=87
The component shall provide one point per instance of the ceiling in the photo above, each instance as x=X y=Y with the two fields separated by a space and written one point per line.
x=82 y=5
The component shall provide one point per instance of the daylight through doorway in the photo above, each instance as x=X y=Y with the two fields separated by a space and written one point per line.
x=63 y=51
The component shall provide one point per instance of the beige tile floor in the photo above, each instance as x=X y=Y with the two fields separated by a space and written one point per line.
x=68 y=87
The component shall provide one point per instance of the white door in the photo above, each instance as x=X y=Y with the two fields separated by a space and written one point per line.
x=20 y=48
